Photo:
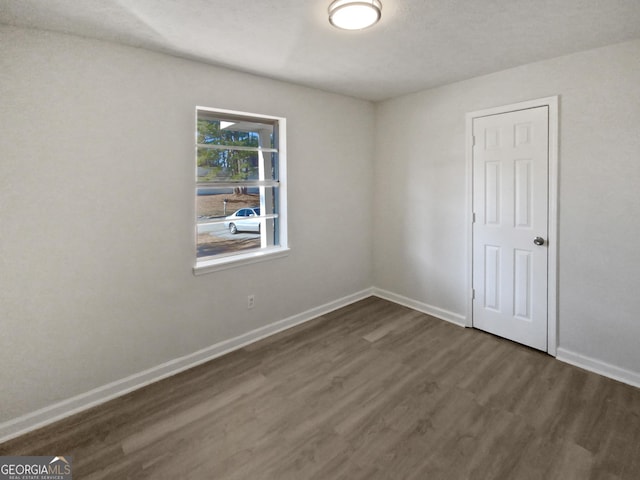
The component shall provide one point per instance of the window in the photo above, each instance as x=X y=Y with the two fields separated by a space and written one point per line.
x=240 y=188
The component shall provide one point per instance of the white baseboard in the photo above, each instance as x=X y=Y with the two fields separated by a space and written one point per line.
x=597 y=366
x=440 y=313
x=45 y=416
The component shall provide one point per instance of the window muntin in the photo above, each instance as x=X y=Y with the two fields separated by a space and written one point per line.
x=239 y=165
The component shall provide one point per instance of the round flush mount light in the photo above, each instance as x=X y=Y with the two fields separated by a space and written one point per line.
x=354 y=14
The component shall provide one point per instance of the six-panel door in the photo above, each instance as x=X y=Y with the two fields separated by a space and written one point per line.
x=510 y=203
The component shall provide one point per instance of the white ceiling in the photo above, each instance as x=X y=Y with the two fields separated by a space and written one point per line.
x=417 y=45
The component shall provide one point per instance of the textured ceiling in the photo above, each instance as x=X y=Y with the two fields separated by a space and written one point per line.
x=417 y=45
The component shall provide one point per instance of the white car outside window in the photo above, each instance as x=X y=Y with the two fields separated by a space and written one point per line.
x=244 y=220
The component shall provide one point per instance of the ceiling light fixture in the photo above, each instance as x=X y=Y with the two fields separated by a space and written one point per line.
x=355 y=14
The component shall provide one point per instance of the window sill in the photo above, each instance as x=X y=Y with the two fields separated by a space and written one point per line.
x=217 y=264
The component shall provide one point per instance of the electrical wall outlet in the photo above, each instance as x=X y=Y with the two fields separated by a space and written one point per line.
x=251 y=301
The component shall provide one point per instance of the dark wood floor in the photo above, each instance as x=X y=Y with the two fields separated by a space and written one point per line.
x=371 y=391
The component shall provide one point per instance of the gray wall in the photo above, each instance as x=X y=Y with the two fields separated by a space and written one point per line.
x=420 y=232
x=97 y=208
x=97 y=212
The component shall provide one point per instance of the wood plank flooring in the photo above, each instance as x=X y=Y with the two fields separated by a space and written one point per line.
x=371 y=391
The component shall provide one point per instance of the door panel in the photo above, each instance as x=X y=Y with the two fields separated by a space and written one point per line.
x=510 y=203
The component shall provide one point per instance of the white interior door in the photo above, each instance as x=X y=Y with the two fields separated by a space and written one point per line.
x=510 y=229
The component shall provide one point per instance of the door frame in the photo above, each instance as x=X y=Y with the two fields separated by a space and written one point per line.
x=552 y=240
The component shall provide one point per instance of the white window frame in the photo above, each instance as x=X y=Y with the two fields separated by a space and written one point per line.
x=265 y=252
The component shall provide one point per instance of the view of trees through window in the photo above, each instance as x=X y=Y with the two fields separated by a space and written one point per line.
x=226 y=164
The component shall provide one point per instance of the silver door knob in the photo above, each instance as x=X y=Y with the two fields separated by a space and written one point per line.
x=538 y=241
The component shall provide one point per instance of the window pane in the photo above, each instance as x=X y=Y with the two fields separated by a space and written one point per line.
x=227 y=165
x=229 y=222
x=241 y=133
x=213 y=203
x=220 y=241
x=234 y=165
